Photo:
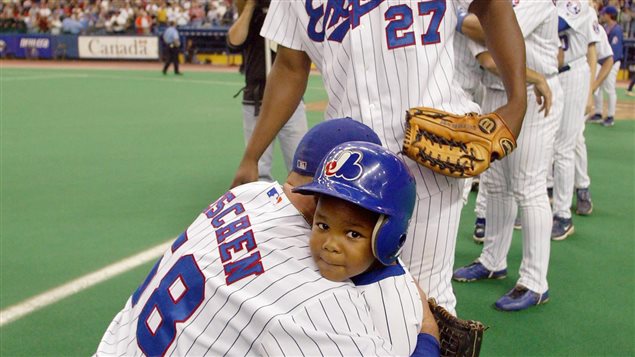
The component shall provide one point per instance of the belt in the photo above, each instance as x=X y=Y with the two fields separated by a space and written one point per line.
x=564 y=68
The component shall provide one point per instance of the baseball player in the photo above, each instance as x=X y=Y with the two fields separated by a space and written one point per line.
x=241 y=279
x=579 y=32
x=378 y=59
x=475 y=47
x=608 y=17
x=582 y=181
x=519 y=180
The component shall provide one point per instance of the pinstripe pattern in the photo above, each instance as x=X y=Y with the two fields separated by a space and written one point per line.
x=519 y=180
x=287 y=310
x=375 y=84
x=582 y=179
x=575 y=86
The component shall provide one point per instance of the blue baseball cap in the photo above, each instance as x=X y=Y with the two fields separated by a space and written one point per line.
x=611 y=10
x=323 y=137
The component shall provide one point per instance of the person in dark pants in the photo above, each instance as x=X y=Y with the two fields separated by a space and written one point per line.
x=173 y=44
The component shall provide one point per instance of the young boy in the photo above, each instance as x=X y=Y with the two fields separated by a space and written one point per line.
x=359 y=227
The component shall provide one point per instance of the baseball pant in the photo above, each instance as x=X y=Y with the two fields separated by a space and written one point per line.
x=581 y=179
x=607 y=86
x=519 y=181
x=429 y=250
x=289 y=138
x=575 y=87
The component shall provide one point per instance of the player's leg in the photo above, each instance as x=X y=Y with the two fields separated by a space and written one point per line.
x=500 y=209
x=575 y=85
x=429 y=250
x=612 y=94
x=529 y=185
x=480 y=210
x=582 y=181
x=291 y=134
x=598 y=101
x=249 y=122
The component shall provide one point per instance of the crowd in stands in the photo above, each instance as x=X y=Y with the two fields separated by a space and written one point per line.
x=151 y=16
x=101 y=17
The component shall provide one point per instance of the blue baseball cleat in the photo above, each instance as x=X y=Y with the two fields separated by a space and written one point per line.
x=520 y=298
x=476 y=271
x=562 y=228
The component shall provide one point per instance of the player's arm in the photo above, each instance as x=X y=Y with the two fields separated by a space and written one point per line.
x=592 y=60
x=507 y=47
x=238 y=32
x=605 y=69
x=541 y=88
x=283 y=92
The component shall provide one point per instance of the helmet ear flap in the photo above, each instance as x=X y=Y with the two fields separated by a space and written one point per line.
x=387 y=240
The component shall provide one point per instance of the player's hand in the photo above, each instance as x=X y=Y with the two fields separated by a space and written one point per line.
x=589 y=105
x=247 y=172
x=543 y=96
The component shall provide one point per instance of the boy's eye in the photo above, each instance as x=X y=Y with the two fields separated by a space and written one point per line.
x=353 y=234
x=322 y=226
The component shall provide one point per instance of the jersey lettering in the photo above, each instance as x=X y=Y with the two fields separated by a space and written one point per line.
x=237 y=245
x=401 y=21
x=179 y=294
x=218 y=220
x=341 y=18
x=564 y=42
x=217 y=206
x=231 y=228
x=242 y=268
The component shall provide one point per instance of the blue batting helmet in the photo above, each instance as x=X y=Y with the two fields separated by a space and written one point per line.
x=371 y=177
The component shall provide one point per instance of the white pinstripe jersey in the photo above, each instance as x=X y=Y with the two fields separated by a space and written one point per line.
x=241 y=281
x=378 y=58
x=468 y=70
x=603 y=47
x=538 y=21
x=583 y=29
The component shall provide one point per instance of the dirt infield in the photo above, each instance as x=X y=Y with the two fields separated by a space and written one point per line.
x=625 y=106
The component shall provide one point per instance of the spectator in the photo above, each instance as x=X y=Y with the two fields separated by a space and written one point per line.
x=197 y=15
x=71 y=25
x=143 y=23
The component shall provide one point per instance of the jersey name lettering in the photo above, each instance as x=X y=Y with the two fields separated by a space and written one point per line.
x=247 y=265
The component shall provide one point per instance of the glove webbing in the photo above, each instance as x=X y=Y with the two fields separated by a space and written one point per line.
x=468 y=159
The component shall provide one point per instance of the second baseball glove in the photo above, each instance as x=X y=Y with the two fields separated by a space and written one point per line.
x=458 y=337
x=456 y=145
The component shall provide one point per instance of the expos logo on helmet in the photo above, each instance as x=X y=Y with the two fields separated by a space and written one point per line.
x=346 y=165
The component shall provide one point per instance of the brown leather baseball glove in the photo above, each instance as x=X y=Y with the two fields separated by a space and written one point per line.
x=458 y=337
x=456 y=145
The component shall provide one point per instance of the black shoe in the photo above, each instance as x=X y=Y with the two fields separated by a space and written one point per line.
x=609 y=121
x=479 y=230
x=596 y=118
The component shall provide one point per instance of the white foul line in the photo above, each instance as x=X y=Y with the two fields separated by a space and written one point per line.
x=49 y=297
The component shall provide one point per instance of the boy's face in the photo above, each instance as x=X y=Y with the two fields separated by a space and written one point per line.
x=341 y=238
